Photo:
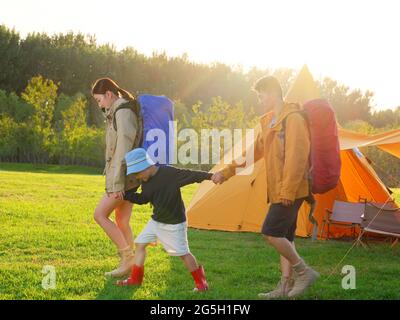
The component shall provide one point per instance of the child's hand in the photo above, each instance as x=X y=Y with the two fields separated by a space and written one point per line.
x=117 y=195
x=218 y=177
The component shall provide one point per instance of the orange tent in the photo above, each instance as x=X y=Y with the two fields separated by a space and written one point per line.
x=240 y=204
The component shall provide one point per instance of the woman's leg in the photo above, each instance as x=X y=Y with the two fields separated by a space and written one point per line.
x=101 y=215
x=123 y=213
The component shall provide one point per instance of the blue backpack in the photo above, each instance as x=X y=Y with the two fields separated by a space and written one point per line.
x=154 y=114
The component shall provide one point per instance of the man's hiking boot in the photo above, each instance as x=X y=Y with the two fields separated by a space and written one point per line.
x=281 y=291
x=304 y=276
x=125 y=265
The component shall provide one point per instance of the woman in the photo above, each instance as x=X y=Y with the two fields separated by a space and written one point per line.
x=119 y=140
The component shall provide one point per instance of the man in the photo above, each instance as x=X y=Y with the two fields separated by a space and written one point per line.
x=285 y=145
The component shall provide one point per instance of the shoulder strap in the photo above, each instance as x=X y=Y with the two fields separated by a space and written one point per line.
x=301 y=112
x=310 y=198
x=127 y=105
x=135 y=107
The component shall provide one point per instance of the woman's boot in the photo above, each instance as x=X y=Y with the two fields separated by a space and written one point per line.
x=127 y=261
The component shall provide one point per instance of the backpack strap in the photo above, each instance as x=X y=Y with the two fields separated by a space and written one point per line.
x=310 y=199
x=283 y=131
x=301 y=112
x=135 y=107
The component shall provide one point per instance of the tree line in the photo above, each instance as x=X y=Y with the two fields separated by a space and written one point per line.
x=48 y=116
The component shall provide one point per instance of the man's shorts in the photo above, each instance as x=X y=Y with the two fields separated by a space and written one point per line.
x=173 y=237
x=281 y=221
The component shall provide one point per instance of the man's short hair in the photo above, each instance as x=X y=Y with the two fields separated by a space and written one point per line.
x=269 y=84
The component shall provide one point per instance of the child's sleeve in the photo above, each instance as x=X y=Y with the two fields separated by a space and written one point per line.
x=186 y=176
x=138 y=198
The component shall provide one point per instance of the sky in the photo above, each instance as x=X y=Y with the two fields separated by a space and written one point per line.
x=356 y=42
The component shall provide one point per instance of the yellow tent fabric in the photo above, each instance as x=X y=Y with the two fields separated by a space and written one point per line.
x=240 y=203
x=388 y=141
x=304 y=88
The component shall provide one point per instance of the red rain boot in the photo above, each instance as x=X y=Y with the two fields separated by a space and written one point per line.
x=135 y=279
x=200 y=279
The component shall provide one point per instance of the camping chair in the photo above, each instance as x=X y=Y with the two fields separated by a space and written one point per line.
x=390 y=203
x=343 y=214
x=383 y=220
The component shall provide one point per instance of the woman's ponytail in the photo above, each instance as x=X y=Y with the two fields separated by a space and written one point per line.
x=125 y=94
x=101 y=86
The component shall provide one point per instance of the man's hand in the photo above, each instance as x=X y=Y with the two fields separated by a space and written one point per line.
x=218 y=177
x=286 y=202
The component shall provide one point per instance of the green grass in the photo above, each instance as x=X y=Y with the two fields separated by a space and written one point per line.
x=46 y=219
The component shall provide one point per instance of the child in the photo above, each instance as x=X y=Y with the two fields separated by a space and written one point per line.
x=161 y=187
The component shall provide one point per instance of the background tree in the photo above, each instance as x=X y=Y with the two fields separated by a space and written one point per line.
x=47 y=113
x=41 y=94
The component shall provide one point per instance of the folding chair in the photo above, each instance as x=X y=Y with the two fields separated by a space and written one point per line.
x=343 y=214
x=383 y=220
x=390 y=203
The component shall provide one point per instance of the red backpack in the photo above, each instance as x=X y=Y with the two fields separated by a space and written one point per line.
x=325 y=149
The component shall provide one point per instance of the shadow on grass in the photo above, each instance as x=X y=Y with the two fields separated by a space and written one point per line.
x=179 y=283
x=49 y=168
x=111 y=291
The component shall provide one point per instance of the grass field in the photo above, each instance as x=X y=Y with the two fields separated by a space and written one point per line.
x=46 y=218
